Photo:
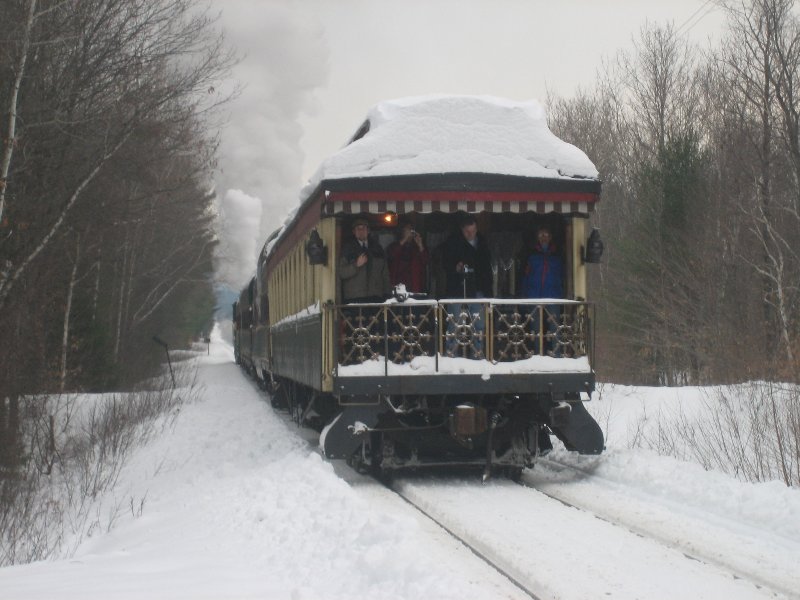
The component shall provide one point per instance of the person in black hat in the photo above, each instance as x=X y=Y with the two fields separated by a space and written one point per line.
x=467 y=262
x=468 y=267
x=362 y=267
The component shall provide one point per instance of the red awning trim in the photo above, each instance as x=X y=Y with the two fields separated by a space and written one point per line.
x=454 y=201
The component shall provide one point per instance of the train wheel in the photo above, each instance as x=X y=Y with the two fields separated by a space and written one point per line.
x=513 y=473
x=385 y=476
x=293 y=402
x=279 y=397
x=356 y=460
x=373 y=455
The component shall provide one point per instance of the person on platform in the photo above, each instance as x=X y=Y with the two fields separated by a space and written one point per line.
x=362 y=268
x=468 y=268
x=408 y=261
x=544 y=278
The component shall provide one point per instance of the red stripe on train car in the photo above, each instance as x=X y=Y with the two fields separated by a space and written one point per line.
x=453 y=198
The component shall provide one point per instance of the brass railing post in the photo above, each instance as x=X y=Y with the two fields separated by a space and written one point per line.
x=489 y=329
x=338 y=338
x=437 y=312
x=385 y=311
x=540 y=308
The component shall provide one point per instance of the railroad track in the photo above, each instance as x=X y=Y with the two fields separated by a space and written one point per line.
x=348 y=473
x=504 y=567
x=688 y=548
x=533 y=587
x=474 y=547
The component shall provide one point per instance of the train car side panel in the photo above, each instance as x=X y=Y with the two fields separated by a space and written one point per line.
x=300 y=337
x=298 y=355
x=578 y=267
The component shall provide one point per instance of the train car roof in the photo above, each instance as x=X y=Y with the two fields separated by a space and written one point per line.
x=452 y=153
x=456 y=153
x=455 y=134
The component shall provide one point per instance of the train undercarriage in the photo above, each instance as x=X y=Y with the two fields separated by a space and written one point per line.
x=387 y=434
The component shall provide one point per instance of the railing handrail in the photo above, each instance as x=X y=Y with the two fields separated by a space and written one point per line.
x=431 y=301
x=396 y=333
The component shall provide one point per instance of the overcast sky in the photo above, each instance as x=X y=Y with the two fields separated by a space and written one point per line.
x=312 y=69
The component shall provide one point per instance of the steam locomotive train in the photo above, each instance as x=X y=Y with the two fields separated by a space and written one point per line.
x=410 y=380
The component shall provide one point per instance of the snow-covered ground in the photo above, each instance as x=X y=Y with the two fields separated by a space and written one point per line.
x=234 y=503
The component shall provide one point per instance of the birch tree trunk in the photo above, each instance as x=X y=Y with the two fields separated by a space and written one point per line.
x=10 y=138
x=67 y=313
x=123 y=280
x=8 y=283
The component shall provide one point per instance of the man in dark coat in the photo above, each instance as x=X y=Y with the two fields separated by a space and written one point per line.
x=364 y=276
x=468 y=267
x=362 y=267
x=467 y=262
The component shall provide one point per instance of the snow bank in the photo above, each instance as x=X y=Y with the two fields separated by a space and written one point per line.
x=234 y=503
x=427 y=365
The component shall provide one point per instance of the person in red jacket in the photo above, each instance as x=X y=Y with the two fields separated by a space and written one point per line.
x=408 y=260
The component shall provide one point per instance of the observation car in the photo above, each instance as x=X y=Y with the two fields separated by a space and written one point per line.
x=416 y=380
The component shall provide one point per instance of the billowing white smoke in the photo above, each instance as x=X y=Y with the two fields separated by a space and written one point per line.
x=260 y=159
x=239 y=232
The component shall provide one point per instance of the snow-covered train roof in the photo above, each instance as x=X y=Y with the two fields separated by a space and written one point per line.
x=450 y=153
x=456 y=134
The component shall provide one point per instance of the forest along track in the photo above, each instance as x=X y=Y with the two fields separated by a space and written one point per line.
x=744 y=567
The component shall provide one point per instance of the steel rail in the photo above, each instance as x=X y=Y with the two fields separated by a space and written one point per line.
x=471 y=547
x=757 y=580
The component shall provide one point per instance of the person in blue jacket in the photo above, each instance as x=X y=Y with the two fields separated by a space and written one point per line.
x=544 y=278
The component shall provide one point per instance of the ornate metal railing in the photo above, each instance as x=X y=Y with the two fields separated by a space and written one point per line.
x=495 y=330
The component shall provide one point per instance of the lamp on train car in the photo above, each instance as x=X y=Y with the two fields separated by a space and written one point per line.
x=594 y=247
x=315 y=249
x=390 y=219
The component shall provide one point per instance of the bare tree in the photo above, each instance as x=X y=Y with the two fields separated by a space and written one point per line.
x=9 y=136
x=761 y=59
x=659 y=85
x=698 y=155
x=124 y=64
x=108 y=86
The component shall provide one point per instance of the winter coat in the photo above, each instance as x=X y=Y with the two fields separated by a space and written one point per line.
x=407 y=265
x=369 y=282
x=544 y=274
x=479 y=281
